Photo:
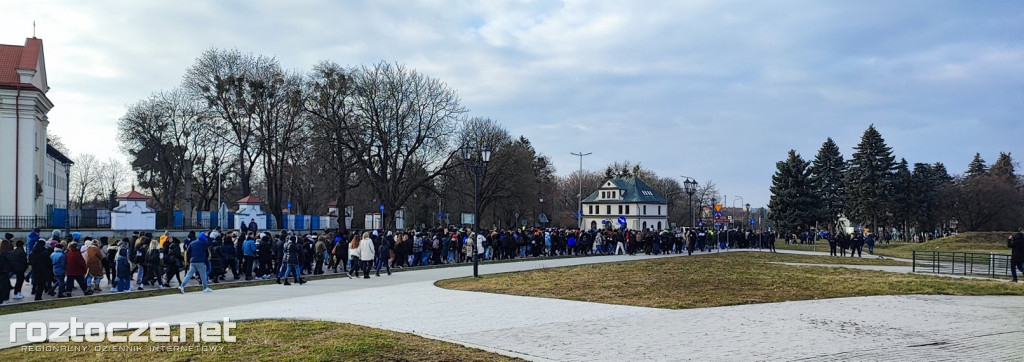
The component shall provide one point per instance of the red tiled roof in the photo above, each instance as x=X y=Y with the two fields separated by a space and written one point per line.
x=13 y=57
x=132 y=195
x=249 y=200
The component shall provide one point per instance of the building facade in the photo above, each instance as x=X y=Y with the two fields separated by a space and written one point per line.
x=55 y=184
x=627 y=197
x=23 y=122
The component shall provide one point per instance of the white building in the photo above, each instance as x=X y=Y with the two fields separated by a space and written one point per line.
x=132 y=213
x=55 y=185
x=249 y=210
x=630 y=198
x=23 y=122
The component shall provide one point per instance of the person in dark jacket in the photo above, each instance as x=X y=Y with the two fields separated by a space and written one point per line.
x=252 y=226
x=217 y=261
x=856 y=244
x=265 y=254
x=5 y=269
x=384 y=254
x=1016 y=245
x=228 y=252
x=154 y=272
x=42 y=269
x=173 y=261
x=124 y=268
x=19 y=264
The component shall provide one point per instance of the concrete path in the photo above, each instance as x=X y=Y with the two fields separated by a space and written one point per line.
x=866 y=328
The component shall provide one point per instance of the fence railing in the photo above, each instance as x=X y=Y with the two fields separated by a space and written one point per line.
x=23 y=222
x=962 y=263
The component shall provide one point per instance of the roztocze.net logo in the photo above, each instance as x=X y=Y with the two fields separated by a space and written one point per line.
x=160 y=332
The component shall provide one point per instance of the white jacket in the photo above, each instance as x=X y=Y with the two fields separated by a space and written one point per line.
x=366 y=251
x=480 y=244
x=353 y=253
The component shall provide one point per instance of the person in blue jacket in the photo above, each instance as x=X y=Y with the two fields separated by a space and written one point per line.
x=198 y=256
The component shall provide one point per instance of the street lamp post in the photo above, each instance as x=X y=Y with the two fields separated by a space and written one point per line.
x=476 y=166
x=690 y=186
x=579 y=196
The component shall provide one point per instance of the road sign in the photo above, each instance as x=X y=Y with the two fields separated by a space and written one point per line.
x=289 y=205
x=752 y=222
x=700 y=223
x=718 y=207
x=718 y=214
x=622 y=220
x=381 y=207
x=718 y=224
x=604 y=222
x=730 y=218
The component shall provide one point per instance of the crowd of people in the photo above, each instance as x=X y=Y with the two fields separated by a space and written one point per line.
x=57 y=265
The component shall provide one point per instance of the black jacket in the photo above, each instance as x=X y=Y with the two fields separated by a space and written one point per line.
x=42 y=266
x=19 y=260
x=1016 y=245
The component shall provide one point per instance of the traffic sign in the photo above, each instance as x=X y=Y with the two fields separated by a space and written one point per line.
x=718 y=214
x=622 y=220
x=718 y=207
x=700 y=223
x=752 y=222
x=604 y=222
x=289 y=205
x=381 y=207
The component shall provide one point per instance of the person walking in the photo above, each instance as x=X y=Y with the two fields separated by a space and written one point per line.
x=75 y=270
x=366 y=254
x=1016 y=245
x=290 y=258
x=19 y=265
x=198 y=254
x=94 y=265
x=384 y=254
x=248 y=254
x=353 y=254
x=832 y=245
x=857 y=244
x=42 y=269
x=154 y=272
x=870 y=240
x=124 y=268
x=174 y=261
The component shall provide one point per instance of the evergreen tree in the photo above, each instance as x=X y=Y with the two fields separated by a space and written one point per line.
x=868 y=180
x=977 y=166
x=791 y=207
x=927 y=182
x=1004 y=169
x=901 y=197
x=827 y=184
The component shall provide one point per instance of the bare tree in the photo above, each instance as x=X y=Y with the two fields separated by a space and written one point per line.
x=161 y=135
x=401 y=136
x=232 y=84
x=329 y=101
x=112 y=176
x=85 y=178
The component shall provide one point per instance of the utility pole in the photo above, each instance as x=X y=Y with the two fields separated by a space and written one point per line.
x=579 y=196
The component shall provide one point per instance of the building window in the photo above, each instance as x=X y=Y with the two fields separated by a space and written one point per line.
x=627 y=209
x=659 y=210
x=620 y=209
x=590 y=209
x=645 y=209
x=608 y=209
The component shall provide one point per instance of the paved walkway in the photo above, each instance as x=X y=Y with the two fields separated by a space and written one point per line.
x=866 y=328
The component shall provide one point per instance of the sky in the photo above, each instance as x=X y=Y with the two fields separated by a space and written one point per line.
x=715 y=90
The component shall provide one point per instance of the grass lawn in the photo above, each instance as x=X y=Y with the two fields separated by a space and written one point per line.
x=720 y=280
x=280 y=340
x=980 y=242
